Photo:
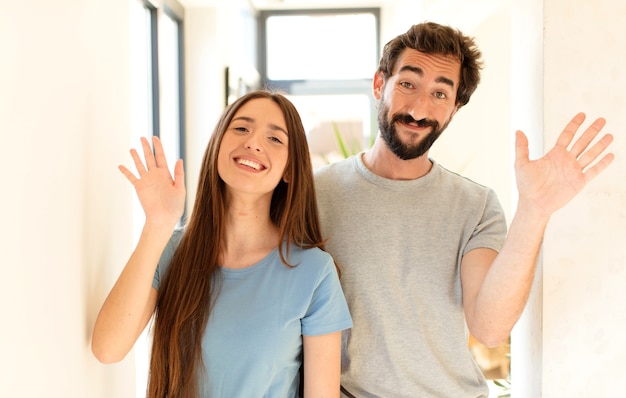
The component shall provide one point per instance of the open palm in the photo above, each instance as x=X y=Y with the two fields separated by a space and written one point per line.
x=161 y=196
x=553 y=180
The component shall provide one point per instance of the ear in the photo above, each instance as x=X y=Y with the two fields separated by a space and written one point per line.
x=286 y=178
x=378 y=84
x=454 y=111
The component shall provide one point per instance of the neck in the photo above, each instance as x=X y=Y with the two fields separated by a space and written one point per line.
x=250 y=234
x=384 y=163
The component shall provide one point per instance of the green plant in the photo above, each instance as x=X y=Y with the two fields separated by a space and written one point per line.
x=505 y=386
x=344 y=148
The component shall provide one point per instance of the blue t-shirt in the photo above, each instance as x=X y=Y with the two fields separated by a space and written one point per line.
x=253 y=341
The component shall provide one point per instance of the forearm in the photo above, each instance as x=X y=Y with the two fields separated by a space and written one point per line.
x=498 y=292
x=131 y=302
x=322 y=365
x=507 y=283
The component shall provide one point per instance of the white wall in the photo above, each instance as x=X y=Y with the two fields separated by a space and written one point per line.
x=584 y=262
x=570 y=340
x=527 y=115
x=64 y=122
x=204 y=71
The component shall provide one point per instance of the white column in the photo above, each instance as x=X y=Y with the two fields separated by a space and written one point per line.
x=570 y=341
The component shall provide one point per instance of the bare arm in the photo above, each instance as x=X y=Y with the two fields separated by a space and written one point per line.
x=322 y=365
x=132 y=300
x=496 y=287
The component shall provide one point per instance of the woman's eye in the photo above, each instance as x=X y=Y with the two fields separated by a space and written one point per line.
x=276 y=139
x=240 y=129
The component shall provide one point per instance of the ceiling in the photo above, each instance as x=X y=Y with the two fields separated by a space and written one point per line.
x=463 y=14
x=260 y=4
x=309 y=4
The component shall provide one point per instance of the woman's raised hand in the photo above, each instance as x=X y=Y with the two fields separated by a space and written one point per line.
x=161 y=196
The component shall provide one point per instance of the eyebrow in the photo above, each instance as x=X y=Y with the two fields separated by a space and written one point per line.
x=420 y=71
x=272 y=126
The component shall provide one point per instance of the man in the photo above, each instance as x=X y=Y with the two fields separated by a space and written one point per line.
x=422 y=250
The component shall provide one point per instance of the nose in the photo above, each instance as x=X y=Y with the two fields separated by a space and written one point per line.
x=419 y=106
x=253 y=142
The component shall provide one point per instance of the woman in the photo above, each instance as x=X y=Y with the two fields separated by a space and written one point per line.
x=244 y=291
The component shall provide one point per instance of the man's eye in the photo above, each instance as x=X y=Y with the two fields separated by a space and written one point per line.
x=406 y=84
x=441 y=95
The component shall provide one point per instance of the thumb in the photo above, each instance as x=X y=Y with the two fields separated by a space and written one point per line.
x=521 y=148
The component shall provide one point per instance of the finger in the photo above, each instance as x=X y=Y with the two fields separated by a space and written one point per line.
x=128 y=174
x=521 y=148
x=599 y=167
x=590 y=133
x=592 y=153
x=147 y=153
x=138 y=163
x=179 y=173
x=570 y=130
x=159 y=154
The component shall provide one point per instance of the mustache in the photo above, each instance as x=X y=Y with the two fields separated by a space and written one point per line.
x=406 y=118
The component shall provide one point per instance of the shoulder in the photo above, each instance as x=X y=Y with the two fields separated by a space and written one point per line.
x=326 y=310
x=315 y=263
x=172 y=244
x=461 y=182
x=167 y=255
x=343 y=174
x=177 y=235
x=308 y=256
x=333 y=171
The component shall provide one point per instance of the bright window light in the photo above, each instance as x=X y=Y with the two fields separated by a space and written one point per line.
x=319 y=47
x=170 y=90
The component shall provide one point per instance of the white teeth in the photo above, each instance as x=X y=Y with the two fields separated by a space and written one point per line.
x=249 y=163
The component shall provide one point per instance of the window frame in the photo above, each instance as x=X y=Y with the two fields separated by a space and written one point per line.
x=156 y=10
x=176 y=12
x=310 y=86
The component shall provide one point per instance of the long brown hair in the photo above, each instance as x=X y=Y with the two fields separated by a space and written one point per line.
x=433 y=38
x=190 y=287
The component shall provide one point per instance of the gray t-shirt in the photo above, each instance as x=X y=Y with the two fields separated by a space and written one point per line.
x=399 y=245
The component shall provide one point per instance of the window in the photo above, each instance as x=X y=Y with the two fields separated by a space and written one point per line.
x=324 y=61
x=320 y=46
x=171 y=119
x=157 y=76
x=157 y=107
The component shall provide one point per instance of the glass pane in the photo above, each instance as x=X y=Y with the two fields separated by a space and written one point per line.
x=318 y=47
x=141 y=71
x=141 y=89
x=322 y=114
x=169 y=62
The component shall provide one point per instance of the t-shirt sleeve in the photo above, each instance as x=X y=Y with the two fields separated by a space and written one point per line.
x=166 y=258
x=328 y=311
x=490 y=231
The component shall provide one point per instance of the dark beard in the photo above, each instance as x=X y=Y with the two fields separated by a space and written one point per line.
x=406 y=151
